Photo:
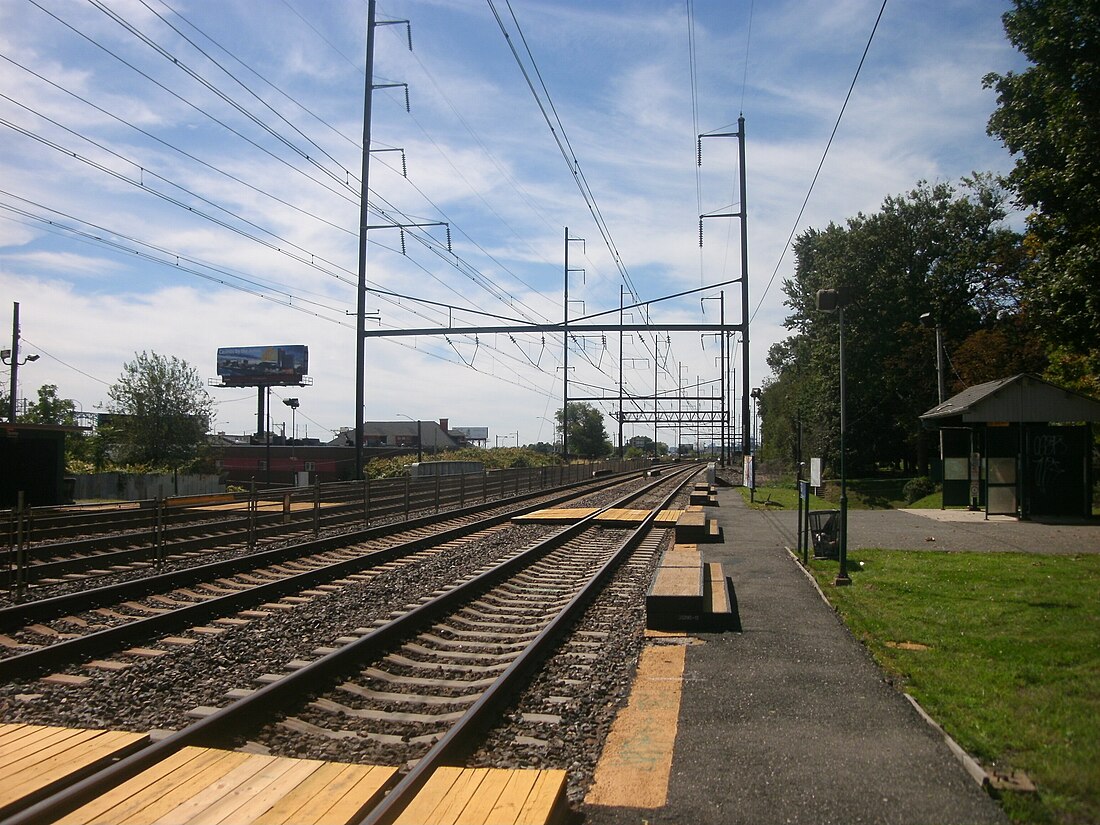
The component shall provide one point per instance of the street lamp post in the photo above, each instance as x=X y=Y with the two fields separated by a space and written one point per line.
x=293 y=404
x=11 y=358
x=755 y=395
x=419 y=446
x=834 y=300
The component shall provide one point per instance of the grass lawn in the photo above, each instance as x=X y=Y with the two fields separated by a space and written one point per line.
x=1006 y=658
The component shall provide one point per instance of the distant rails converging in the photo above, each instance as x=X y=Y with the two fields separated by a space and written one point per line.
x=403 y=644
x=65 y=547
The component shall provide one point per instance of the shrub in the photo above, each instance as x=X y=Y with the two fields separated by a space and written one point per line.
x=918 y=488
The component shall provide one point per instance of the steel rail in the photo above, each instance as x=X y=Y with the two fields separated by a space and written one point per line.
x=459 y=738
x=44 y=609
x=133 y=543
x=51 y=657
x=252 y=709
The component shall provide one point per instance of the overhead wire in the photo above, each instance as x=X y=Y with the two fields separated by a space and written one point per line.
x=193 y=194
x=821 y=163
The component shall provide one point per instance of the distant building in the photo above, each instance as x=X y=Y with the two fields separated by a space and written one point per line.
x=429 y=436
x=305 y=461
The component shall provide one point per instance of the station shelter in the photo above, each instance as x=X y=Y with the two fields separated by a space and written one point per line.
x=1018 y=446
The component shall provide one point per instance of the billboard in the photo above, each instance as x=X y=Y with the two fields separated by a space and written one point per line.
x=471 y=433
x=284 y=364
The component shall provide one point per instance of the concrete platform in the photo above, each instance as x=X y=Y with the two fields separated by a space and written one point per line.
x=791 y=721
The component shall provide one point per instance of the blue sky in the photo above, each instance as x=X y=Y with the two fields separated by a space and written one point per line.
x=142 y=209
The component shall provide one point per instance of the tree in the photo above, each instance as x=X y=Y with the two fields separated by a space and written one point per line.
x=160 y=412
x=49 y=409
x=587 y=434
x=933 y=250
x=1049 y=117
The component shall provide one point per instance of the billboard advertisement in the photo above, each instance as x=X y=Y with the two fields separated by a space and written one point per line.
x=471 y=433
x=284 y=364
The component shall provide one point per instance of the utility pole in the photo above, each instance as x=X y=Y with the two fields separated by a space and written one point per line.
x=742 y=214
x=14 y=361
x=565 y=350
x=361 y=292
x=744 y=274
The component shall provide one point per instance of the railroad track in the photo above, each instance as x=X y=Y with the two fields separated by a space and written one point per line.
x=62 y=547
x=79 y=564
x=422 y=684
x=51 y=633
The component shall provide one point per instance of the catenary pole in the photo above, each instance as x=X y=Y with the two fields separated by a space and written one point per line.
x=361 y=294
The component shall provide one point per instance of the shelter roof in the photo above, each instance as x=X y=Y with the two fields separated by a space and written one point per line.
x=1021 y=398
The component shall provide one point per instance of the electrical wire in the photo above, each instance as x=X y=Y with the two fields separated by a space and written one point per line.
x=821 y=163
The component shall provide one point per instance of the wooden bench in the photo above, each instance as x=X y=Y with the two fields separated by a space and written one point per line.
x=688 y=594
x=705 y=495
x=693 y=527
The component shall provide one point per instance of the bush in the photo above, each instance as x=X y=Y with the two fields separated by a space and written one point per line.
x=918 y=488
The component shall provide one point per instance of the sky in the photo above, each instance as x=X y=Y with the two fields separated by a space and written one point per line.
x=182 y=175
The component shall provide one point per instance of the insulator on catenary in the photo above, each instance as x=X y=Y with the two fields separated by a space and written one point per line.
x=700 y=233
x=448 y=237
x=402 y=241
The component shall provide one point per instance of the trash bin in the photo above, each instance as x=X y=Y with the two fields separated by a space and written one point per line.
x=824 y=529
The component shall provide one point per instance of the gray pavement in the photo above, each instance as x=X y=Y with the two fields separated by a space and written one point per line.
x=791 y=721
x=957 y=530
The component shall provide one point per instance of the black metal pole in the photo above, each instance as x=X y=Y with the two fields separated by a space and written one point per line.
x=14 y=360
x=744 y=280
x=565 y=358
x=361 y=292
x=842 y=577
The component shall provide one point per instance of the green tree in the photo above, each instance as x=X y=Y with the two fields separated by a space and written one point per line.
x=587 y=434
x=49 y=409
x=1048 y=116
x=160 y=412
x=934 y=250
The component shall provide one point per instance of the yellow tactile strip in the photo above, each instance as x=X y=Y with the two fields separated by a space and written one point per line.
x=634 y=768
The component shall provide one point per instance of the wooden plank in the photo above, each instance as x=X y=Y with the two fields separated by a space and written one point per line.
x=365 y=792
x=718 y=599
x=39 y=740
x=482 y=807
x=331 y=777
x=13 y=732
x=80 y=752
x=433 y=793
x=544 y=800
x=41 y=767
x=118 y=804
x=204 y=797
x=20 y=737
x=264 y=784
x=177 y=790
x=514 y=797
x=462 y=791
x=262 y=800
x=682 y=558
x=677 y=581
x=636 y=762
